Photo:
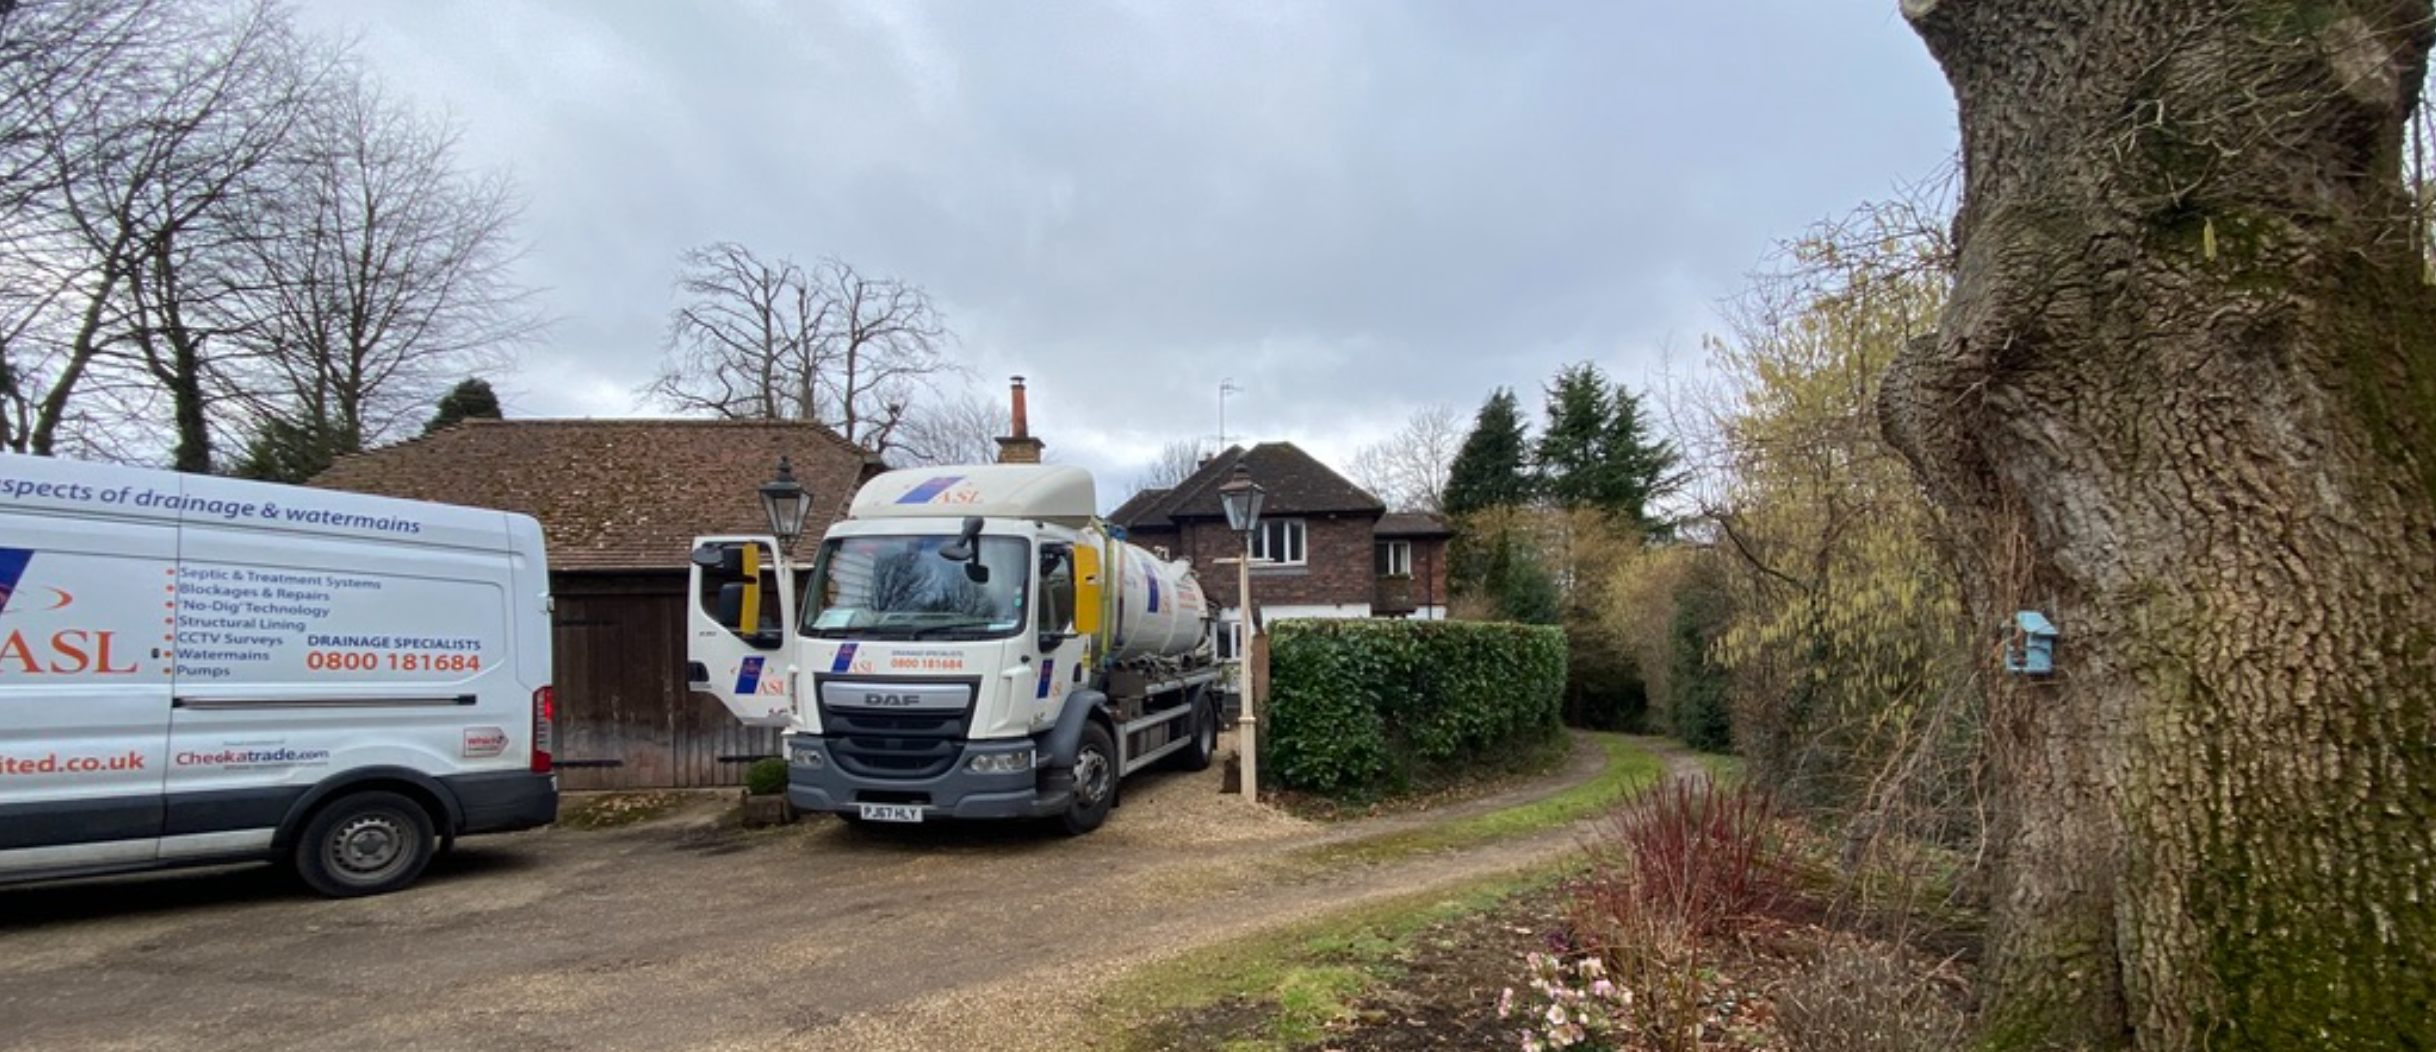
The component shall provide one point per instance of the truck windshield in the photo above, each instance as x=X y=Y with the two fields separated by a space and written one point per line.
x=900 y=587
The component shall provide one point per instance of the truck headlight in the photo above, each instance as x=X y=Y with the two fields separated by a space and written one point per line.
x=1000 y=762
x=807 y=756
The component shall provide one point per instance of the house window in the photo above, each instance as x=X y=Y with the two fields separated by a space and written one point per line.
x=1395 y=558
x=1279 y=541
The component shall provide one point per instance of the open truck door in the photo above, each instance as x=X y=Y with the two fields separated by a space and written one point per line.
x=740 y=632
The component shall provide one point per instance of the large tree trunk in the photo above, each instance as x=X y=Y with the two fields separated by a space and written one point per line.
x=2181 y=401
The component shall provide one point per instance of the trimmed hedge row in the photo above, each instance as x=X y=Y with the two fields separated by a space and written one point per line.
x=1358 y=708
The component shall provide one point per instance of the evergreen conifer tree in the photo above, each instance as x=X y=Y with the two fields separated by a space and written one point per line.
x=471 y=398
x=1491 y=471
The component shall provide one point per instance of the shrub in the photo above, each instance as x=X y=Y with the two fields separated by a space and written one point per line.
x=1357 y=708
x=1669 y=871
x=766 y=777
x=1862 y=996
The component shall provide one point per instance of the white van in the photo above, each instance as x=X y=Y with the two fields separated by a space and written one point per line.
x=199 y=670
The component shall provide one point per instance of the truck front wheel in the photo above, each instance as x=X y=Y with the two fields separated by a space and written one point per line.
x=364 y=844
x=1095 y=778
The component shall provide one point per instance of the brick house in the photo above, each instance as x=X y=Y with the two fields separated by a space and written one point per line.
x=1331 y=549
x=619 y=503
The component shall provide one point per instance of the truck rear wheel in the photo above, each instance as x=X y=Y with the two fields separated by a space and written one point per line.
x=364 y=844
x=1095 y=778
x=1197 y=756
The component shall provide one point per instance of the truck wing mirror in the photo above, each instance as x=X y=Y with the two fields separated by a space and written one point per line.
x=726 y=560
x=966 y=544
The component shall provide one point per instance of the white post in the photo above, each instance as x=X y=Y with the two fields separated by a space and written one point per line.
x=1247 y=738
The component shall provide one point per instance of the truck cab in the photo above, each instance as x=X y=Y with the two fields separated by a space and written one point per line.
x=968 y=643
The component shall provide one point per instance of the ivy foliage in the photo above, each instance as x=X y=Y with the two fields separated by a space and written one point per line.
x=1359 y=709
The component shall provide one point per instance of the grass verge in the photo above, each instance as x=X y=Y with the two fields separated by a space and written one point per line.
x=1628 y=770
x=1283 y=988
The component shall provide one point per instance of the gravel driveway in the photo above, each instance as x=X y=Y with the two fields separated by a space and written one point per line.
x=687 y=933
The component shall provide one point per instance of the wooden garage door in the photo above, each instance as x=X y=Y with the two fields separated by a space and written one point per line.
x=625 y=717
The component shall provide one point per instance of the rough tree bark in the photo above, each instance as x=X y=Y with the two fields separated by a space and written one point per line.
x=2182 y=402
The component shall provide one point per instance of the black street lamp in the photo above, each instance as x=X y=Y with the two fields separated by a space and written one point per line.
x=785 y=501
x=1242 y=498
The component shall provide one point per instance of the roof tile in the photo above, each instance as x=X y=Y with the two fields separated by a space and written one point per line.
x=1297 y=484
x=616 y=494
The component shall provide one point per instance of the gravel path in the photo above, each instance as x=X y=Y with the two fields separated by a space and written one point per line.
x=687 y=933
x=1047 y=1007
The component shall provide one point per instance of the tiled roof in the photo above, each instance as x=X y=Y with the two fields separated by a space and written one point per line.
x=616 y=494
x=1411 y=524
x=1137 y=511
x=1297 y=484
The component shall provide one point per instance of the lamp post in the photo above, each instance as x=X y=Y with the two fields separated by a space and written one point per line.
x=1242 y=499
x=785 y=501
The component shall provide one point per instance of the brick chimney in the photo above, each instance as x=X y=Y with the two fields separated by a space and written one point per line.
x=1020 y=447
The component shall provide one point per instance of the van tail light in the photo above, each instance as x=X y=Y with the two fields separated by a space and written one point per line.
x=545 y=711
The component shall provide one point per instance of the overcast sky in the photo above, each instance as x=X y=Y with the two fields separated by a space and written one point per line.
x=1353 y=208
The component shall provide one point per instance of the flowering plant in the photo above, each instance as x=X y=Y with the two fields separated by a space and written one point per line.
x=1570 y=1004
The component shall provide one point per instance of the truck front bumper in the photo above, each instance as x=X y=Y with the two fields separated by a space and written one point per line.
x=816 y=783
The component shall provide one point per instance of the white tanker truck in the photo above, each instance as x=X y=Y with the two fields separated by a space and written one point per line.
x=970 y=642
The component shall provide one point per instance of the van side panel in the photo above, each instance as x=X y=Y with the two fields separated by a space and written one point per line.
x=331 y=655
x=85 y=634
x=192 y=666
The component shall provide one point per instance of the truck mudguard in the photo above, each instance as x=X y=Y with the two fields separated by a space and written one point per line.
x=1066 y=738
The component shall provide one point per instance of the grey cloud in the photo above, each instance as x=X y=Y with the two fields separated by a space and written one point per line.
x=1354 y=208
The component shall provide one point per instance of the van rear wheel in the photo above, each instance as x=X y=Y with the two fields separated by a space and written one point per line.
x=364 y=843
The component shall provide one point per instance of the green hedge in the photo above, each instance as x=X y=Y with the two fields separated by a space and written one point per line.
x=1359 y=708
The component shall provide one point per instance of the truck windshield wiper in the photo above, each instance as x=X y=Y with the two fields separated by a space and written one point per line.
x=926 y=631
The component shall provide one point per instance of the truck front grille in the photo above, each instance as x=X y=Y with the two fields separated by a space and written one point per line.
x=893 y=744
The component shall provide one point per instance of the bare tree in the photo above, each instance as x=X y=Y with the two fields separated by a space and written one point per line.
x=52 y=51
x=886 y=342
x=2181 y=402
x=964 y=429
x=145 y=161
x=61 y=63
x=1408 y=470
x=185 y=293
x=747 y=342
x=768 y=339
x=379 y=274
x=1175 y=462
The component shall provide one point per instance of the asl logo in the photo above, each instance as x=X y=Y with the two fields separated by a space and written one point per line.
x=67 y=652
x=12 y=570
